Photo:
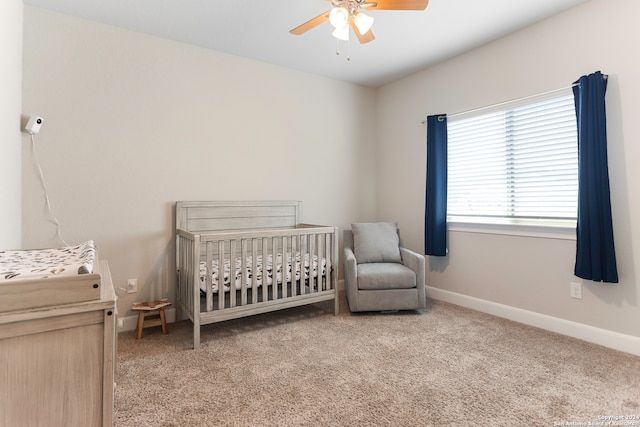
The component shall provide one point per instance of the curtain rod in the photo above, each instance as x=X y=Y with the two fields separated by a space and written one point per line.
x=440 y=118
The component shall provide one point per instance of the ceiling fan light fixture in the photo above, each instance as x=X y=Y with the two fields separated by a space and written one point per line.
x=341 y=33
x=363 y=22
x=339 y=17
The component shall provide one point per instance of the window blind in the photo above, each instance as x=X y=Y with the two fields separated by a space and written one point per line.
x=517 y=163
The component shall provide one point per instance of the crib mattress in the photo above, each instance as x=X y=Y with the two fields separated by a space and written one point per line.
x=44 y=263
x=295 y=264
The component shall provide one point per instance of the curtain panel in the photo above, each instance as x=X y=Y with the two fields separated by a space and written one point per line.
x=595 y=249
x=435 y=224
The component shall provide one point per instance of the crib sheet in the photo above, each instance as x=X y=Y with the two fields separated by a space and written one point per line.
x=43 y=263
x=300 y=269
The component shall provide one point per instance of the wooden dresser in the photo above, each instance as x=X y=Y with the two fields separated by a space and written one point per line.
x=57 y=362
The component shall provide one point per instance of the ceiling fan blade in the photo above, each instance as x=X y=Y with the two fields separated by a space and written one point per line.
x=362 y=38
x=396 y=5
x=312 y=23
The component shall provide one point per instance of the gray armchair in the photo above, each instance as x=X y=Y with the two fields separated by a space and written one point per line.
x=380 y=275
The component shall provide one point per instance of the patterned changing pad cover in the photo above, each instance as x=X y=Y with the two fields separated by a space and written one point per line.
x=43 y=263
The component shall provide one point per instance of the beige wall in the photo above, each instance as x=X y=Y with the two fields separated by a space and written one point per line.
x=523 y=272
x=135 y=123
x=10 y=107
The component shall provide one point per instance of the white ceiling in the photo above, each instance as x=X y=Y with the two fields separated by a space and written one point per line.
x=406 y=41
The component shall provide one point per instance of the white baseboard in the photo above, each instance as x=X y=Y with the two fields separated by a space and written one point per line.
x=603 y=337
x=129 y=323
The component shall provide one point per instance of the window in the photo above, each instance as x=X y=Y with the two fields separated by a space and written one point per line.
x=516 y=165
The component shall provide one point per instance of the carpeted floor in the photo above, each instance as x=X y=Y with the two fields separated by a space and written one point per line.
x=444 y=366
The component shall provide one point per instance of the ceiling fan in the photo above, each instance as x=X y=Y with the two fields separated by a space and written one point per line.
x=346 y=14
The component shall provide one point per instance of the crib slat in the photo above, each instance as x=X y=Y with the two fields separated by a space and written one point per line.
x=243 y=270
x=220 y=274
x=327 y=258
x=320 y=251
x=322 y=242
x=325 y=242
x=193 y=287
x=334 y=274
x=321 y=246
x=183 y=263
x=295 y=245
x=312 y=241
x=303 y=256
x=321 y=256
x=184 y=273
x=232 y=273
x=284 y=268
x=274 y=267
x=195 y=291
x=254 y=271
x=187 y=275
x=265 y=273
x=209 y=279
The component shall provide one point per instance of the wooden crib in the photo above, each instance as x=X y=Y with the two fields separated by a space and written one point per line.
x=237 y=259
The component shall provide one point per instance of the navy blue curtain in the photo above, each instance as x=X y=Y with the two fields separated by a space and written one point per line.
x=595 y=251
x=435 y=223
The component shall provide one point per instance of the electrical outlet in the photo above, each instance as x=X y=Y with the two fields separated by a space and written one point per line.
x=575 y=290
x=132 y=286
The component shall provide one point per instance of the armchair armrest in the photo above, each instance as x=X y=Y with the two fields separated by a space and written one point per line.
x=416 y=262
x=350 y=274
x=350 y=266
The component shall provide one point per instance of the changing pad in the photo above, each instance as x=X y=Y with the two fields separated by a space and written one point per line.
x=43 y=263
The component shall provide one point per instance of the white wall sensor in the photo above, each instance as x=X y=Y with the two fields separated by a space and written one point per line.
x=34 y=124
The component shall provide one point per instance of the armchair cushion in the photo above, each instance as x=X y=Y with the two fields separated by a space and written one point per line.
x=376 y=242
x=385 y=275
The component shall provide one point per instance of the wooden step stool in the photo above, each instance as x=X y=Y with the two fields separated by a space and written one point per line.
x=147 y=307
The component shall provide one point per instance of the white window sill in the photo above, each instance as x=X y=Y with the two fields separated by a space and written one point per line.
x=561 y=230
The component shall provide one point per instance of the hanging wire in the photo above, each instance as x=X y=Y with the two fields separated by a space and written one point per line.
x=52 y=217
